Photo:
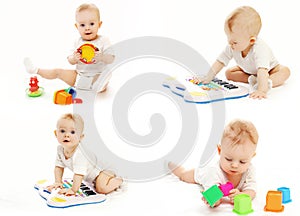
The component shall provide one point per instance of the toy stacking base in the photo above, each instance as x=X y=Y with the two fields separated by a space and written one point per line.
x=216 y=90
x=37 y=93
x=85 y=195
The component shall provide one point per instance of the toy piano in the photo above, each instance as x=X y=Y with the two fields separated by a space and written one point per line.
x=85 y=195
x=216 y=90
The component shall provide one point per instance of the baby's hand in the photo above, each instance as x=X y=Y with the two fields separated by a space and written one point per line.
x=67 y=192
x=258 y=95
x=204 y=80
x=98 y=57
x=233 y=193
x=54 y=186
x=215 y=205
x=76 y=56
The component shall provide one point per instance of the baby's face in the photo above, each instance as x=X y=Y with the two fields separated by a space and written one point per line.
x=66 y=133
x=88 y=24
x=238 y=39
x=236 y=159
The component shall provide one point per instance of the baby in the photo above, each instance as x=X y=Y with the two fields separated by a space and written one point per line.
x=87 y=23
x=69 y=133
x=256 y=63
x=238 y=146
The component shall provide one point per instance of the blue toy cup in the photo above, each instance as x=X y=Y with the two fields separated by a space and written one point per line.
x=285 y=194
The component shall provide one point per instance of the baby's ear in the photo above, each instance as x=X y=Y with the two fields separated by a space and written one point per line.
x=76 y=25
x=252 y=40
x=81 y=136
x=254 y=154
x=99 y=24
x=219 y=148
x=55 y=133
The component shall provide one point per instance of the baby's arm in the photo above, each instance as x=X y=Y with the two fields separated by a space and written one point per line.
x=184 y=175
x=105 y=58
x=58 y=174
x=262 y=84
x=235 y=192
x=77 y=179
x=74 y=58
x=213 y=71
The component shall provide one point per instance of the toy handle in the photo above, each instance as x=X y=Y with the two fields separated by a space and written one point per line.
x=175 y=86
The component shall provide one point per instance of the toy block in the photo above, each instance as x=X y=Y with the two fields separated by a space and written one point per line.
x=212 y=195
x=242 y=204
x=72 y=92
x=226 y=188
x=285 y=194
x=62 y=97
x=274 y=201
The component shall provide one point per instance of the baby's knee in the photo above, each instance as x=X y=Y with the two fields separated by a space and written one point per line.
x=102 y=189
x=229 y=74
x=57 y=72
x=286 y=71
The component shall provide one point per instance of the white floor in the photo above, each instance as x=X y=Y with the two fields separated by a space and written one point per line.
x=28 y=144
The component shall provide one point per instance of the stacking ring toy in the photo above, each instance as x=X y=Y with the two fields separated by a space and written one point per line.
x=87 y=52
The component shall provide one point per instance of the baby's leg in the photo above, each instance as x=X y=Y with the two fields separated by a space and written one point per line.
x=107 y=182
x=279 y=75
x=97 y=80
x=236 y=74
x=182 y=174
x=68 y=76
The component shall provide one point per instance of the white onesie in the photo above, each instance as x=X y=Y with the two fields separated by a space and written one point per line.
x=259 y=56
x=89 y=73
x=78 y=164
x=211 y=175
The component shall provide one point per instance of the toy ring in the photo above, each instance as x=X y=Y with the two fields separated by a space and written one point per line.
x=87 y=52
x=36 y=93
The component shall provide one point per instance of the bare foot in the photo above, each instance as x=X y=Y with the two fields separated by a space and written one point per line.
x=103 y=90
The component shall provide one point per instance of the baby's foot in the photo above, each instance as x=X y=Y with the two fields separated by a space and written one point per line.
x=30 y=68
x=252 y=80
x=253 y=83
x=270 y=85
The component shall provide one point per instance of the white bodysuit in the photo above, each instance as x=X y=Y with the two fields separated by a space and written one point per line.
x=211 y=175
x=89 y=73
x=259 y=56
x=78 y=164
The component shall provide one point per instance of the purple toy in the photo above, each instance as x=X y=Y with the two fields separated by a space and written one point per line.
x=226 y=188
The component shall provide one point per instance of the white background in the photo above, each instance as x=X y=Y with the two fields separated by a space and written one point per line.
x=44 y=30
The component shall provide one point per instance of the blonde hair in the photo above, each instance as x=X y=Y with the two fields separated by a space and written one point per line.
x=246 y=16
x=78 y=121
x=238 y=131
x=88 y=7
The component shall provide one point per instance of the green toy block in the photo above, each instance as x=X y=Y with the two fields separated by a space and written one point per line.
x=242 y=204
x=212 y=195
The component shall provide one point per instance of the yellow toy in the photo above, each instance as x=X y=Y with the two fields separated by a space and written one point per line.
x=87 y=52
